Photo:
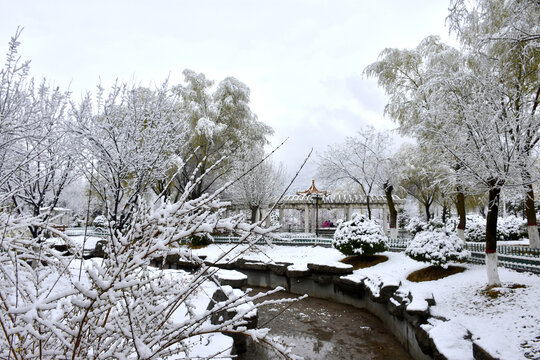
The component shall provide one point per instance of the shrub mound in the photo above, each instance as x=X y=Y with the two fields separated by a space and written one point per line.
x=437 y=248
x=359 y=236
x=364 y=261
x=434 y=273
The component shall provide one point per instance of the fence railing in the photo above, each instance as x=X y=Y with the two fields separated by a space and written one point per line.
x=89 y=232
x=285 y=240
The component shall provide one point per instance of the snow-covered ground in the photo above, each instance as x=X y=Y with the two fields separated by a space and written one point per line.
x=506 y=326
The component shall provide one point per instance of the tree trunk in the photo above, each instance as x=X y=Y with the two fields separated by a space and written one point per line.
x=391 y=208
x=491 y=233
x=428 y=215
x=254 y=212
x=462 y=213
x=445 y=212
x=530 y=211
x=368 y=203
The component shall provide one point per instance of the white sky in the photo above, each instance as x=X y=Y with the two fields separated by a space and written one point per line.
x=302 y=60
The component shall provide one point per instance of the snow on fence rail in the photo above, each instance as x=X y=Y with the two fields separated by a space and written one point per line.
x=89 y=232
x=285 y=240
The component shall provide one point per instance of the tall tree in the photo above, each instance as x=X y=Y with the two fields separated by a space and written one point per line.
x=220 y=126
x=259 y=185
x=457 y=106
x=418 y=176
x=506 y=33
x=127 y=142
x=35 y=151
x=359 y=159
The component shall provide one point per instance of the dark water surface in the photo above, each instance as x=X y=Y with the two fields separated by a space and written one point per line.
x=320 y=329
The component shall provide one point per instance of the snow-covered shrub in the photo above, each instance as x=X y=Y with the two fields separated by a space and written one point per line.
x=475 y=229
x=359 y=236
x=511 y=228
x=508 y=228
x=417 y=225
x=200 y=240
x=403 y=219
x=437 y=247
x=100 y=222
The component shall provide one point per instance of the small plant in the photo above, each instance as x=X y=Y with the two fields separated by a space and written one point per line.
x=100 y=222
x=359 y=236
x=200 y=240
x=437 y=247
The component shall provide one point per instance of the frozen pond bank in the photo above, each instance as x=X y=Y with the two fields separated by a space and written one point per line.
x=321 y=329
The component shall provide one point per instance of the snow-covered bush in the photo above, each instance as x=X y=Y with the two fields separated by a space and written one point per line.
x=359 y=236
x=511 y=228
x=417 y=225
x=508 y=228
x=100 y=222
x=437 y=247
x=475 y=229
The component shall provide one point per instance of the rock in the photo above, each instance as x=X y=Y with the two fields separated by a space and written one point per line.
x=322 y=279
x=232 y=278
x=294 y=272
x=99 y=250
x=251 y=265
x=240 y=340
x=396 y=306
x=479 y=353
x=344 y=269
x=279 y=268
x=386 y=292
x=350 y=286
x=424 y=341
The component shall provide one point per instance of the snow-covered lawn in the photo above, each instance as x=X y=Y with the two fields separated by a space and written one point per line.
x=506 y=326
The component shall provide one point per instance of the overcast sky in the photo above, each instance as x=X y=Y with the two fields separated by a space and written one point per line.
x=302 y=60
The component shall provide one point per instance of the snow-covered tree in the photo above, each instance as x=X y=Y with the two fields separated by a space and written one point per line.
x=506 y=33
x=35 y=148
x=219 y=124
x=127 y=142
x=262 y=183
x=61 y=306
x=454 y=106
x=360 y=159
x=418 y=175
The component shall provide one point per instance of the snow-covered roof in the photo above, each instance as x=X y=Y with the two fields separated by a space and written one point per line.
x=342 y=199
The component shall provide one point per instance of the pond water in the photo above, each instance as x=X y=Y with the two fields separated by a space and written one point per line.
x=320 y=329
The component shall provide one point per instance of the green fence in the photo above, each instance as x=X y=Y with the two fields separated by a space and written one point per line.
x=514 y=257
x=292 y=240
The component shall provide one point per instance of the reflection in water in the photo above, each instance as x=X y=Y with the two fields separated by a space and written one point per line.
x=320 y=329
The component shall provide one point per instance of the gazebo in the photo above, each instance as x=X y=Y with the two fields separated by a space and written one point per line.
x=348 y=202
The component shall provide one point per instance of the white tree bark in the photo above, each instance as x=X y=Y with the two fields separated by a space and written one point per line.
x=492 y=270
x=534 y=238
x=393 y=233
x=461 y=234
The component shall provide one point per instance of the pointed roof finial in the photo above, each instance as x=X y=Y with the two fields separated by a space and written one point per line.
x=312 y=190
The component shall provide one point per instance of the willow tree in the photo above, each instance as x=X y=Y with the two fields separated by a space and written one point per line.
x=220 y=127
